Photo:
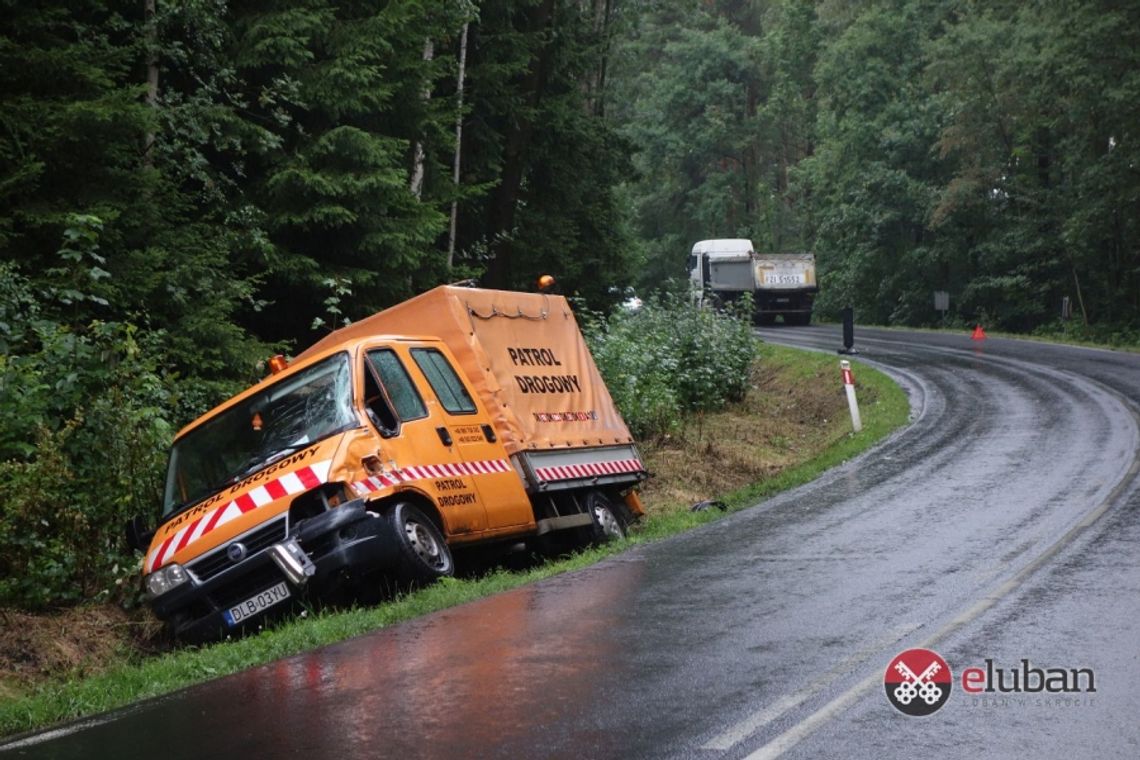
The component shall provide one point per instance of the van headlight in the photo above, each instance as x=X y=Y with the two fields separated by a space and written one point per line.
x=161 y=581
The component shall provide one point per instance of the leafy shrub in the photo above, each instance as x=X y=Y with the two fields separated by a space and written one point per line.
x=83 y=449
x=670 y=356
x=89 y=408
x=1109 y=334
x=84 y=433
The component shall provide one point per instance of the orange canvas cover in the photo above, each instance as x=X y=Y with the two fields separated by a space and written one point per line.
x=524 y=356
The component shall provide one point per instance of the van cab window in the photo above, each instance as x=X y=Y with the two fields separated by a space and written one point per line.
x=292 y=413
x=405 y=400
x=452 y=394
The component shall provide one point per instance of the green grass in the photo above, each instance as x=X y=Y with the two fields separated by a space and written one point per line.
x=139 y=679
x=889 y=411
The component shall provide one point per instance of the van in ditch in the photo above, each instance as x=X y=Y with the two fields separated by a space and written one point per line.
x=461 y=417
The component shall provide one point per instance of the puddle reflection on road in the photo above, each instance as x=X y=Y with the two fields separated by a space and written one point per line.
x=479 y=675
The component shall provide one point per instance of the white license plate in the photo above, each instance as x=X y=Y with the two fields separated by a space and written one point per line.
x=257 y=603
x=785 y=279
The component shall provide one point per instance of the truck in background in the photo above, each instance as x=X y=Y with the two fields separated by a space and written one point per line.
x=781 y=284
x=462 y=417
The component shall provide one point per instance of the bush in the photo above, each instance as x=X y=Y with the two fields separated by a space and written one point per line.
x=82 y=446
x=92 y=404
x=1115 y=335
x=670 y=356
x=88 y=411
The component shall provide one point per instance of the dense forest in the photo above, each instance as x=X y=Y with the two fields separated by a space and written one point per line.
x=188 y=186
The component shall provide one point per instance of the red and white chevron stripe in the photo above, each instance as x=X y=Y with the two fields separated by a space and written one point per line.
x=428 y=472
x=287 y=485
x=588 y=469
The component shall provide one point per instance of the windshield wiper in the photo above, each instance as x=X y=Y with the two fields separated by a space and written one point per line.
x=249 y=466
x=260 y=460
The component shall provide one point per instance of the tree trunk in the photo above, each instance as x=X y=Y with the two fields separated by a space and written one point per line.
x=417 y=183
x=1080 y=296
x=595 y=84
x=458 y=145
x=149 y=11
x=517 y=139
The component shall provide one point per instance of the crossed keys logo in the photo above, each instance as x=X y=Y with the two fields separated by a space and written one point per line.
x=918 y=681
x=917 y=685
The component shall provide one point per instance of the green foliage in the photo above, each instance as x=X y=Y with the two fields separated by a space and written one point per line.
x=81 y=450
x=1073 y=330
x=324 y=103
x=872 y=176
x=719 y=101
x=538 y=133
x=88 y=415
x=980 y=149
x=671 y=357
x=339 y=290
x=1041 y=201
x=692 y=114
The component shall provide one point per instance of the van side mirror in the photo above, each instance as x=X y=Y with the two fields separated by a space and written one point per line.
x=138 y=534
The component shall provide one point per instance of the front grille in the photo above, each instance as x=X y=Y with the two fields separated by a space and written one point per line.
x=255 y=541
x=245 y=585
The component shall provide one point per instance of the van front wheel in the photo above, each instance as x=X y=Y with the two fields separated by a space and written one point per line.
x=424 y=555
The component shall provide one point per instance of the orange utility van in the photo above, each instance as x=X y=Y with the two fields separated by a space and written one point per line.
x=460 y=417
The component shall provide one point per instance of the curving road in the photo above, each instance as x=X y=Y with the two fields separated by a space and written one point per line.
x=1002 y=525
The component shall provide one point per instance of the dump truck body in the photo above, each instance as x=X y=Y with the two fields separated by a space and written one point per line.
x=780 y=283
x=460 y=417
x=785 y=285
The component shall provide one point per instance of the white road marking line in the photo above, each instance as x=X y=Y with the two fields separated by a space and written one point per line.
x=806 y=727
x=750 y=725
x=801 y=730
x=57 y=733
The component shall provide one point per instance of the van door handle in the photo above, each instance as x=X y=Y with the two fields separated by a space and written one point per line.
x=444 y=436
x=489 y=434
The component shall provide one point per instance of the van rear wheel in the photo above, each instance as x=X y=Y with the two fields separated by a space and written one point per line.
x=610 y=519
x=424 y=555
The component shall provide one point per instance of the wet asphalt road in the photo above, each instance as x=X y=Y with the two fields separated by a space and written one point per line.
x=1004 y=523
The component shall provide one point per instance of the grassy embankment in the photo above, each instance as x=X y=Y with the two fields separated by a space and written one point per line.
x=792 y=426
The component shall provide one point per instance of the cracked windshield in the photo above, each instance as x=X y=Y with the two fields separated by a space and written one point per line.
x=284 y=418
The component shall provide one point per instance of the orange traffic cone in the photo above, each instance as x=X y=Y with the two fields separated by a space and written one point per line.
x=979 y=333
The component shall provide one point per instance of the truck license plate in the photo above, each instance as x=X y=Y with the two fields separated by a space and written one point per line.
x=785 y=279
x=257 y=603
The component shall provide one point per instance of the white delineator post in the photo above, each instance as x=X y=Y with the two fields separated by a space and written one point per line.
x=849 y=386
